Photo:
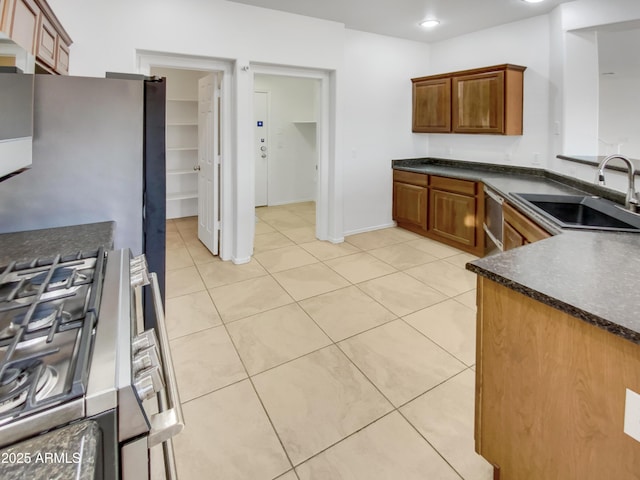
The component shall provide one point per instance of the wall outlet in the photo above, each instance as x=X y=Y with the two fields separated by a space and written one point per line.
x=536 y=159
x=632 y=415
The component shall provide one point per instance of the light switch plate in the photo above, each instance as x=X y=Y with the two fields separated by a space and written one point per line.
x=632 y=415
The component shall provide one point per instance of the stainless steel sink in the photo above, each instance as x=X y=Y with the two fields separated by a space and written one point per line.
x=582 y=212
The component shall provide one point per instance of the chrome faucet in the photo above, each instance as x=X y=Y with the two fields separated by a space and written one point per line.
x=632 y=200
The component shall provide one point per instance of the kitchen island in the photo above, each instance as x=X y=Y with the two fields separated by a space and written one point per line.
x=558 y=344
x=558 y=339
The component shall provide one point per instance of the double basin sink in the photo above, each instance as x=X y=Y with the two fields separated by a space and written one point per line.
x=582 y=212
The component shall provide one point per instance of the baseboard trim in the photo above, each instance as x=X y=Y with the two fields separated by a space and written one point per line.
x=369 y=229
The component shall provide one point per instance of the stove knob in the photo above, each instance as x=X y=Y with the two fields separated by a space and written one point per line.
x=148 y=382
x=145 y=340
x=139 y=271
x=142 y=360
x=144 y=387
x=145 y=358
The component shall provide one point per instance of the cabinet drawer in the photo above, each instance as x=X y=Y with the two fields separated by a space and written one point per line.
x=412 y=178
x=530 y=231
x=464 y=187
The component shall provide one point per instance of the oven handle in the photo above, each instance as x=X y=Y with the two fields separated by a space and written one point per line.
x=169 y=421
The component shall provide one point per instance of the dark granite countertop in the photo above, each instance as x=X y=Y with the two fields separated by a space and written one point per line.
x=68 y=452
x=594 y=161
x=582 y=273
x=592 y=276
x=27 y=245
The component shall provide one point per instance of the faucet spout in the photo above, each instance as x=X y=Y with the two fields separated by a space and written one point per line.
x=632 y=199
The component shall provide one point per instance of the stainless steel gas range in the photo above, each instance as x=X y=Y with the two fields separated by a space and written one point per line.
x=73 y=347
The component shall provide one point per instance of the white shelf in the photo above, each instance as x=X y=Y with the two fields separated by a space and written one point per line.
x=304 y=121
x=181 y=172
x=181 y=196
x=180 y=149
x=182 y=124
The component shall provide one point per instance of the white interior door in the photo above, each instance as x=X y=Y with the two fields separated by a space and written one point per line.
x=209 y=161
x=261 y=143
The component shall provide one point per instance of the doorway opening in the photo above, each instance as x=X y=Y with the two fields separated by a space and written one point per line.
x=286 y=153
x=198 y=142
x=299 y=162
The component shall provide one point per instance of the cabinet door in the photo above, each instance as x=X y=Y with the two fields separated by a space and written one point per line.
x=525 y=228
x=47 y=42
x=4 y=14
x=432 y=105
x=410 y=204
x=511 y=238
x=453 y=216
x=478 y=103
x=24 y=24
x=62 y=58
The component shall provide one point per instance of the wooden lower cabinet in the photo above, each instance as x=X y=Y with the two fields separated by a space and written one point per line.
x=550 y=391
x=410 y=205
x=511 y=238
x=452 y=216
x=518 y=230
x=410 y=200
x=456 y=213
x=446 y=209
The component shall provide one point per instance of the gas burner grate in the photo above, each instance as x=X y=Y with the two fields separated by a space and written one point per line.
x=48 y=311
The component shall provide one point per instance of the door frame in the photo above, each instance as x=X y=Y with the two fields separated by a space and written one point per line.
x=329 y=184
x=146 y=59
x=268 y=136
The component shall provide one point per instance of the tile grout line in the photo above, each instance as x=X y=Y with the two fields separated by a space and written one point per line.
x=334 y=343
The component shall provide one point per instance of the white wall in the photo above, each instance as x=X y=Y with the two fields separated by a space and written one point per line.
x=376 y=126
x=619 y=119
x=371 y=80
x=575 y=61
x=107 y=35
x=522 y=43
x=292 y=145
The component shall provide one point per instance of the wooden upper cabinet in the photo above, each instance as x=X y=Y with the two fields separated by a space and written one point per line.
x=478 y=105
x=432 y=105
x=33 y=25
x=47 y=43
x=22 y=21
x=483 y=100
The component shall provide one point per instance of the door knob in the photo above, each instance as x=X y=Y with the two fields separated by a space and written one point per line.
x=196 y=168
x=263 y=148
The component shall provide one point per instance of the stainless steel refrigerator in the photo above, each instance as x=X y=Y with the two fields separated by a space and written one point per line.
x=98 y=155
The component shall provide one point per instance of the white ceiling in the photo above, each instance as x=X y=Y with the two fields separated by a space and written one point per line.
x=400 y=18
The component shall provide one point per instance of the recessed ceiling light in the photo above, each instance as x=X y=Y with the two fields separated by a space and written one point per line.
x=533 y=1
x=430 y=23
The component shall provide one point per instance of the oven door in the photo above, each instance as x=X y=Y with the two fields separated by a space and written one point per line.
x=152 y=456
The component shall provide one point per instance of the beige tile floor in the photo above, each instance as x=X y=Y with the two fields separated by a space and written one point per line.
x=321 y=361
